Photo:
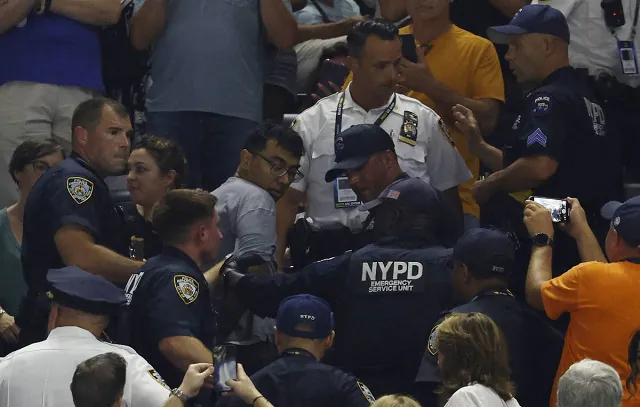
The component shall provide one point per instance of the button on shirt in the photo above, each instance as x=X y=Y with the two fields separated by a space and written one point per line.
x=433 y=159
x=592 y=46
x=41 y=374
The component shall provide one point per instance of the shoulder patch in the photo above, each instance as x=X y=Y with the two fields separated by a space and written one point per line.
x=187 y=288
x=541 y=106
x=433 y=336
x=409 y=129
x=445 y=131
x=537 y=137
x=156 y=376
x=366 y=392
x=80 y=189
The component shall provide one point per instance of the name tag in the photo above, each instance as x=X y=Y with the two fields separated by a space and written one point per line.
x=344 y=196
x=628 y=57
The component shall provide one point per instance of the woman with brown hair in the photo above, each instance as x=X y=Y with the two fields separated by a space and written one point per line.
x=473 y=360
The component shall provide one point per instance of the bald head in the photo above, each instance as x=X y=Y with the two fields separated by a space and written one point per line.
x=532 y=57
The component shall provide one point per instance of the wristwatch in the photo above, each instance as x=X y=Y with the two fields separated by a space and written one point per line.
x=542 y=239
x=180 y=395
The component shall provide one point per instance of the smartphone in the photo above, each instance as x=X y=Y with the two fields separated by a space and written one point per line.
x=224 y=363
x=409 y=47
x=332 y=72
x=559 y=208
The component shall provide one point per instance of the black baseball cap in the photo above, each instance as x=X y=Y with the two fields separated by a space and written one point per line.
x=487 y=251
x=312 y=311
x=412 y=193
x=532 y=19
x=75 y=288
x=355 y=146
x=625 y=218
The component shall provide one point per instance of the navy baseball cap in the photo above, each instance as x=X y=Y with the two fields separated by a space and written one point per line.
x=355 y=146
x=412 y=193
x=75 y=288
x=625 y=218
x=532 y=19
x=312 y=312
x=486 y=250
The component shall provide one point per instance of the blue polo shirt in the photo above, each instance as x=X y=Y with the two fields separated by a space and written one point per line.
x=52 y=49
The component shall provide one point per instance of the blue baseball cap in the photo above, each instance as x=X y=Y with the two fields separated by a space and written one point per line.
x=75 y=288
x=412 y=193
x=354 y=147
x=625 y=218
x=486 y=251
x=305 y=316
x=532 y=19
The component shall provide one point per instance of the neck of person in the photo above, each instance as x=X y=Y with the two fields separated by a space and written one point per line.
x=85 y=157
x=552 y=67
x=190 y=251
x=488 y=284
x=304 y=344
x=364 y=98
x=426 y=31
x=17 y=209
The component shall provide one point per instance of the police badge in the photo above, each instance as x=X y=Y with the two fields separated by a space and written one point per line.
x=187 y=288
x=409 y=130
x=433 y=336
x=80 y=189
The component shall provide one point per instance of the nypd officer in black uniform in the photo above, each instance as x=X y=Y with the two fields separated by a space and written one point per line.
x=69 y=217
x=170 y=310
x=386 y=296
x=304 y=332
x=558 y=144
x=483 y=260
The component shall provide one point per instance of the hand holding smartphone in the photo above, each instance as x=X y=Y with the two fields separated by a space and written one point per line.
x=559 y=208
x=331 y=78
x=409 y=47
x=225 y=366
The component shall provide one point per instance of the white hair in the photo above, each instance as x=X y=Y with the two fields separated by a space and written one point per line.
x=590 y=383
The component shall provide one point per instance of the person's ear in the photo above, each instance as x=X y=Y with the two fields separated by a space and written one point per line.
x=352 y=63
x=81 y=136
x=466 y=275
x=328 y=342
x=245 y=159
x=278 y=339
x=53 y=317
x=170 y=179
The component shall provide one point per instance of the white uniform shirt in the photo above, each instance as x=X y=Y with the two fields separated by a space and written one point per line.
x=477 y=395
x=433 y=159
x=592 y=46
x=40 y=375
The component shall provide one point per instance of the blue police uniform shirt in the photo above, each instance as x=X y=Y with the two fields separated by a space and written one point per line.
x=53 y=49
x=70 y=194
x=298 y=379
x=375 y=292
x=169 y=297
x=534 y=347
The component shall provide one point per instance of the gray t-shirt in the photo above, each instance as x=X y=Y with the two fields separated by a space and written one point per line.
x=247 y=220
x=209 y=58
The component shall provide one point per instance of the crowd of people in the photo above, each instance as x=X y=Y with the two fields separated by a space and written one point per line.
x=395 y=203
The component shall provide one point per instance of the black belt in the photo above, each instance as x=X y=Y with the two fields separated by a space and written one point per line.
x=609 y=89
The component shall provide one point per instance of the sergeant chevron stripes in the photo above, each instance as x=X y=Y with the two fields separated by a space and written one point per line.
x=537 y=137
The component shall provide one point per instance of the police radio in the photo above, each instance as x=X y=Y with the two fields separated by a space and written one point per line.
x=613 y=13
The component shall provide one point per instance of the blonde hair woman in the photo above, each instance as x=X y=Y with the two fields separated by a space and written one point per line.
x=396 y=400
x=473 y=360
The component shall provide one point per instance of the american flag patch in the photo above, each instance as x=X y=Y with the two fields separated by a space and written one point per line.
x=393 y=194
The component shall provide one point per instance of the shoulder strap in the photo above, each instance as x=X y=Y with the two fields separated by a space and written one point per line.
x=324 y=15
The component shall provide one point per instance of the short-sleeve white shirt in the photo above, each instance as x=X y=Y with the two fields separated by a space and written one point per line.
x=433 y=158
x=40 y=374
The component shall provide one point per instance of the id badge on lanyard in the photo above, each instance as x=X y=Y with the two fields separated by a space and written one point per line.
x=628 y=57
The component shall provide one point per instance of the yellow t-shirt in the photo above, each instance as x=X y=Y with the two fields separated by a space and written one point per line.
x=602 y=299
x=468 y=65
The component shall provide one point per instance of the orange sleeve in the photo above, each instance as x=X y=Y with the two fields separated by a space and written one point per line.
x=561 y=294
x=487 y=80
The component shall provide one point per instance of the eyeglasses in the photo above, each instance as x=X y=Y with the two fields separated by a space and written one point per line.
x=40 y=166
x=280 y=169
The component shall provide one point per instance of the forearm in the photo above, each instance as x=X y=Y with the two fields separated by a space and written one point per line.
x=281 y=26
x=509 y=7
x=13 y=12
x=99 y=260
x=589 y=248
x=96 y=12
x=147 y=23
x=539 y=273
x=393 y=10
x=286 y=210
x=485 y=111
x=183 y=351
x=323 y=31
x=519 y=176
x=489 y=155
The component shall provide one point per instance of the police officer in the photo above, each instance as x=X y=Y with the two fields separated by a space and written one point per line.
x=172 y=320
x=377 y=291
x=558 y=143
x=69 y=217
x=483 y=259
x=304 y=332
x=40 y=374
x=422 y=144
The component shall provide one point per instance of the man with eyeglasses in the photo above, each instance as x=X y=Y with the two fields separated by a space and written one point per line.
x=246 y=206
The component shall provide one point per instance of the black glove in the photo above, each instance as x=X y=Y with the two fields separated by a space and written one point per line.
x=233 y=268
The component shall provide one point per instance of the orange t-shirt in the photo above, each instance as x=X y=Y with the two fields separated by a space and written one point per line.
x=603 y=300
x=468 y=65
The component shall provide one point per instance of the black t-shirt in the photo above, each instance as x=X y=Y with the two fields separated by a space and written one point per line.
x=169 y=297
x=139 y=227
x=69 y=194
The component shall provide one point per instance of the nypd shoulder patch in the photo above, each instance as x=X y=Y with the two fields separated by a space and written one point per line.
x=156 y=376
x=433 y=337
x=366 y=393
x=187 y=288
x=541 y=106
x=80 y=189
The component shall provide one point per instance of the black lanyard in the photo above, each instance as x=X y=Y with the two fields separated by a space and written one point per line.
x=633 y=28
x=298 y=352
x=378 y=122
x=493 y=292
